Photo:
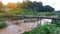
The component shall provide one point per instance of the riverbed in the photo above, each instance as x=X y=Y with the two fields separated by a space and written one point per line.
x=20 y=28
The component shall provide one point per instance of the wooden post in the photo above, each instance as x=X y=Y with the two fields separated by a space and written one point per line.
x=37 y=21
x=24 y=19
x=52 y=21
x=32 y=26
x=40 y=21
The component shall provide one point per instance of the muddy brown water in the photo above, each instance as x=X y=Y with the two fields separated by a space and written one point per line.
x=20 y=28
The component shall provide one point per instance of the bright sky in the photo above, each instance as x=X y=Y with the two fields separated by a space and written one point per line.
x=53 y=3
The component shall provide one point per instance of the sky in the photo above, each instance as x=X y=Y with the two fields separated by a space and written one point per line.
x=53 y=3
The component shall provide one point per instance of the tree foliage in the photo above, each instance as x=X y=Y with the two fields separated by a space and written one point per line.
x=1 y=5
x=10 y=5
x=35 y=6
x=48 y=8
x=38 y=6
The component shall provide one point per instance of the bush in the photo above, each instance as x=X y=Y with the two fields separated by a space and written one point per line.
x=43 y=29
x=57 y=22
x=3 y=24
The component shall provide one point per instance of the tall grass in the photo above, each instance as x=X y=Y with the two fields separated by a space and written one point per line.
x=43 y=29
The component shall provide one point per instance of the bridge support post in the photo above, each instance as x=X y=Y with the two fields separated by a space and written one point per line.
x=53 y=20
x=39 y=21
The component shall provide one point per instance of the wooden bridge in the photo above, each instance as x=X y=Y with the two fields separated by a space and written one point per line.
x=29 y=16
x=39 y=18
x=43 y=17
x=53 y=17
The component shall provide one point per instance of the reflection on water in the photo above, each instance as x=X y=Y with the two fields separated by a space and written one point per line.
x=18 y=29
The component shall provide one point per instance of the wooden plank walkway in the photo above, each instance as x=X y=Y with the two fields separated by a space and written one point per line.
x=43 y=17
x=38 y=17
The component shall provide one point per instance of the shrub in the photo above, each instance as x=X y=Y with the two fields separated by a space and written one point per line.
x=43 y=29
x=57 y=22
x=3 y=24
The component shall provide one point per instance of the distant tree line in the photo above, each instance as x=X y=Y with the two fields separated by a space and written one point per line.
x=38 y=6
x=35 y=6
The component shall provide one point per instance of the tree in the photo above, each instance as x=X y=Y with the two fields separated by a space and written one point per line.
x=48 y=8
x=19 y=5
x=1 y=5
x=37 y=6
x=11 y=5
x=33 y=5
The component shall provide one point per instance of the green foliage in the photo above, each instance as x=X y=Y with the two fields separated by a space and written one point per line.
x=3 y=24
x=2 y=10
x=48 y=8
x=20 y=12
x=57 y=22
x=38 y=6
x=43 y=29
x=26 y=12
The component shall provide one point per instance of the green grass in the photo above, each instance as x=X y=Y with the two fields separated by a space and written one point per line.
x=43 y=29
x=3 y=24
x=25 y=12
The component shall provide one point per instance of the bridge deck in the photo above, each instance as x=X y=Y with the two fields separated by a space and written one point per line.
x=41 y=17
